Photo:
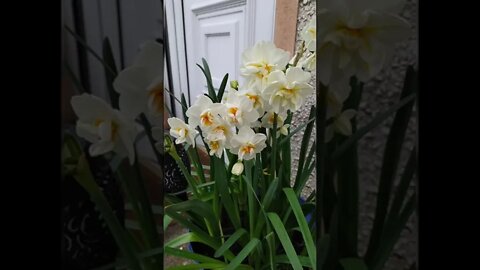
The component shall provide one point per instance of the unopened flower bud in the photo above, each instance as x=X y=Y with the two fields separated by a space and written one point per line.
x=237 y=168
x=234 y=84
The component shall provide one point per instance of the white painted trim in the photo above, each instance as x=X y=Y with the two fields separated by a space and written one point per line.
x=178 y=62
x=109 y=17
x=263 y=9
x=69 y=44
x=93 y=37
x=215 y=5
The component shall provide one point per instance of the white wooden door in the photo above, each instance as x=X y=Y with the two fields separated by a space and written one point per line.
x=219 y=31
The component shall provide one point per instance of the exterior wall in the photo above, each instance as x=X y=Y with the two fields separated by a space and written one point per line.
x=380 y=93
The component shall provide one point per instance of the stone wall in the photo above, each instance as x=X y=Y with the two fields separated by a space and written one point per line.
x=379 y=94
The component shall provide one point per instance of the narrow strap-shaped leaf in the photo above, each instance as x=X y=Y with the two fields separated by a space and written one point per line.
x=221 y=90
x=270 y=237
x=304 y=146
x=250 y=196
x=353 y=264
x=402 y=188
x=302 y=222
x=286 y=138
x=222 y=184
x=391 y=159
x=230 y=241
x=206 y=71
x=347 y=195
x=285 y=240
x=243 y=254
x=323 y=247
x=370 y=126
x=266 y=202
x=89 y=49
x=75 y=80
x=304 y=261
x=191 y=256
x=85 y=178
x=110 y=75
x=391 y=234
x=202 y=235
x=201 y=208
x=184 y=107
x=166 y=222
x=176 y=99
x=273 y=160
x=183 y=239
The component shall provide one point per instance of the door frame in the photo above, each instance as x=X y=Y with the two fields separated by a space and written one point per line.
x=175 y=25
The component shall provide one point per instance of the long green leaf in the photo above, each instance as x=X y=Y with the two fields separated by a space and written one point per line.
x=147 y=219
x=191 y=256
x=286 y=138
x=370 y=126
x=250 y=196
x=195 y=159
x=243 y=254
x=176 y=99
x=221 y=90
x=75 y=80
x=230 y=241
x=198 y=266
x=206 y=71
x=302 y=222
x=391 y=159
x=348 y=188
x=110 y=75
x=304 y=261
x=323 y=247
x=86 y=180
x=321 y=103
x=166 y=222
x=353 y=264
x=391 y=234
x=184 y=107
x=402 y=188
x=304 y=146
x=222 y=184
x=285 y=240
x=185 y=238
x=266 y=202
x=89 y=49
x=201 y=208
x=202 y=235
x=270 y=237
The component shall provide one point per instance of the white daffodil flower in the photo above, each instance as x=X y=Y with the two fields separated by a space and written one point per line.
x=182 y=131
x=342 y=124
x=284 y=129
x=239 y=110
x=287 y=91
x=107 y=129
x=204 y=112
x=140 y=85
x=268 y=118
x=247 y=143
x=222 y=129
x=259 y=61
x=216 y=143
x=309 y=35
x=337 y=94
x=357 y=37
x=309 y=62
x=255 y=98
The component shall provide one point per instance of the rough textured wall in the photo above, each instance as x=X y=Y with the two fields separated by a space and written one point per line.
x=379 y=94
